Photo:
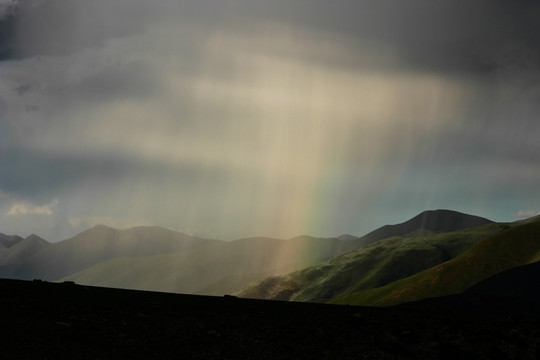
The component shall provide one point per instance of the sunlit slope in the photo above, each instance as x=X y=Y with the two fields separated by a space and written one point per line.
x=512 y=247
x=372 y=266
x=216 y=270
x=98 y=244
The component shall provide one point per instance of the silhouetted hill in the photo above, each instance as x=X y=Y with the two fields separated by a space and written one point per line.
x=68 y=321
x=98 y=244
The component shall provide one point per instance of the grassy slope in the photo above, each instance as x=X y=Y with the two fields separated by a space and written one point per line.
x=511 y=248
x=374 y=265
x=217 y=269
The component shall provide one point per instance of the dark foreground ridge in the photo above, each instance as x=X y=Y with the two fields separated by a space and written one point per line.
x=63 y=320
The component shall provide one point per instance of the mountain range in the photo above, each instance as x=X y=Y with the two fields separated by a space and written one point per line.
x=436 y=253
x=154 y=258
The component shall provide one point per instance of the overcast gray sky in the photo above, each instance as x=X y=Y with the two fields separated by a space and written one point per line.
x=238 y=118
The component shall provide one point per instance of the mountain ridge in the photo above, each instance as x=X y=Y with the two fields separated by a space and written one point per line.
x=440 y=220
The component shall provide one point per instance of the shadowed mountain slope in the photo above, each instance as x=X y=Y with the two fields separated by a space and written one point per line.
x=218 y=269
x=372 y=266
x=8 y=241
x=98 y=244
x=520 y=282
x=512 y=247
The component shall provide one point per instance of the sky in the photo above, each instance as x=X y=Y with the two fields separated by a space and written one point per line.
x=237 y=118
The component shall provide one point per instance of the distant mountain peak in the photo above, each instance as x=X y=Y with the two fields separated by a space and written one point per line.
x=97 y=229
x=347 y=237
x=101 y=227
x=442 y=220
x=35 y=239
x=436 y=221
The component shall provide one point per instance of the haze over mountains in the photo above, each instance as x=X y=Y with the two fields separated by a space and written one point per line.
x=225 y=267
x=98 y=244
x=14 y=249
x=392 y=264
x=153 y=258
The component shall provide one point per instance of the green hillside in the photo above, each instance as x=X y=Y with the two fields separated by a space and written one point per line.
x=512 y=247
x=372 y=266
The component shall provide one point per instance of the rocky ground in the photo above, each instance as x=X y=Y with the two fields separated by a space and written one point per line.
x=52 y=321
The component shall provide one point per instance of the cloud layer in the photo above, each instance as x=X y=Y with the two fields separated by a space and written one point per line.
x=527 y=213
x=19 y=209
x=236 y=118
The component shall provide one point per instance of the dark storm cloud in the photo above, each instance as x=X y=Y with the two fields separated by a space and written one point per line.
x=22 y=89
x=61 y=27
x=218 y=113
x=452 y=36
x=7 y=31
x=455 y=36
x=40 y=176
x=130 y=80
